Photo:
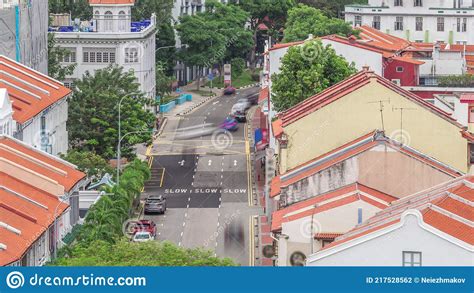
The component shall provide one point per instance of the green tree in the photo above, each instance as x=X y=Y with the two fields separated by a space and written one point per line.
x=213 y=35
x=143 y=9
x=78 y=8
x=307 y=70
x=88 y=162
x=331 y=8
x=93 y=113
x=166 y=57
x=271 y=13
x=126 y=253
x=238 y=66
x=55 y=54
x=304 y=20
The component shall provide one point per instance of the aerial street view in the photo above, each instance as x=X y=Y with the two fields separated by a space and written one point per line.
x=219 y=145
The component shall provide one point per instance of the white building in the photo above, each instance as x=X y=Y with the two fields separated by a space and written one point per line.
x=34 y=107
x=431 y=228
x=24 y=32
x=111 y=38
x=450 y=21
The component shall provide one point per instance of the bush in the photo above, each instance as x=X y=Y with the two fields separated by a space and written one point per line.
x=238 y=66
x=255 y=76
x=465 y=80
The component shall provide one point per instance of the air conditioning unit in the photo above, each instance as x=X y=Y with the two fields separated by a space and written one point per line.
x=396 y=81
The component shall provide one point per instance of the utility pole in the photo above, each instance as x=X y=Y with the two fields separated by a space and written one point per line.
x=381 y=105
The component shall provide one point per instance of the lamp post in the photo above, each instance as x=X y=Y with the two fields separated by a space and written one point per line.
x=120 y=132
x=119 y=144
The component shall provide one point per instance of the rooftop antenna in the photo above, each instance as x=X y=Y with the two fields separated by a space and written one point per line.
x=381 y=105
x=401 y=109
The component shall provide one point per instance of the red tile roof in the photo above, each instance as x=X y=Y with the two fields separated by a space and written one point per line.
x=121 y=2
x=29 y=211
x=275 y=186
x=330 y=200
x=277 y=127
x=327 y=236
x=347 y=86
x=40 y=162
x=440 y=207
x=30 y=91
x=285 y=45
x=467 y=98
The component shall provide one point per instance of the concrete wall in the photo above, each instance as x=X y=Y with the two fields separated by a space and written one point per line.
x=336 y=220
x=387 y=249
x=356 y=114
x=31 y=35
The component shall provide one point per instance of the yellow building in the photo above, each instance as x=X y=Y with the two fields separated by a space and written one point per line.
x=358 y=105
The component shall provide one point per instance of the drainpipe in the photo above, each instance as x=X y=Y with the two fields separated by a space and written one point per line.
x=17 y=33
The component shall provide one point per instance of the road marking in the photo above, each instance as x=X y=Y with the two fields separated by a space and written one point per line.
x=222 y=176
x=215 y=102
x=187 y=206
x=235 y=162
x=181 y=163
x=162 y=177
x=179 y=244
x=209 y=162
x=184 y=224
x=182 y=234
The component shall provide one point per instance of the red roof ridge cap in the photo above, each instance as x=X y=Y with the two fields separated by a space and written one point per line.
x=18 y=212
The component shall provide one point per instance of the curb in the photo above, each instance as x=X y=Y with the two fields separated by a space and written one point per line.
x=187 y=111
x=243 y=87
x=162 y=127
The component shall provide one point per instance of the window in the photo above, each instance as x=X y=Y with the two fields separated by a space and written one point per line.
x=122 y=21
x=97 y=15
x=471 y=153
x=411 y=259
x=419 y=23
x=69 y=57
x=471 y=115
x=108 y=21
x=131 y=55
x=458 y=24
x=376 y=22
x=399 y=68
x=418 y=3
x=399 y=23
x=440 y=22
x=358 y=20
x=464 y=25
x=99 y=55
x=398 y=3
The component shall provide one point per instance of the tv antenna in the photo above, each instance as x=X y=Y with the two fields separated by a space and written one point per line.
x=381 y=105
x=401 y=109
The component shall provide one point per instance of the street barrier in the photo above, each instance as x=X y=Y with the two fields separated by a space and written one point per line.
x=167 y=107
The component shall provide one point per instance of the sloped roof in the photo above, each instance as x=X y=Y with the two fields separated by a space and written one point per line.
x=347 y=86
x=330 y=200
x=30 y=91
x=448 y=208
x=40 y=162
x=353 y=148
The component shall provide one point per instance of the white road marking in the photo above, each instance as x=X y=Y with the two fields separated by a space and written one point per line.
x=209 y=162
x=181 y=163
x=179 y=244
x=222 y=176
x=184 y=224
x=182 y=234
x=235 y=162
x=187 y=206
x=215 y=102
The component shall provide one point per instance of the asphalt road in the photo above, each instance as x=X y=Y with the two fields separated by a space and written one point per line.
x=205 y=179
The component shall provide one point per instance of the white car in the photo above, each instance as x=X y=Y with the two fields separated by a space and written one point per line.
x=142 y=237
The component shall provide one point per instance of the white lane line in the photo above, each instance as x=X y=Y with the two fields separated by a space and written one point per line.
x=187 y=206
x=184 y=224
x=182 y=234
x=222 y=176
x=179 y=244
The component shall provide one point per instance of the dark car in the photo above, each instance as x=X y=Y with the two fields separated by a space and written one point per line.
x=230 y=90
x=155 y=204
x=145 y=226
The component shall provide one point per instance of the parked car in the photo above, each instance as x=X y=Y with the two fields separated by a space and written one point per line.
x=229 y=124
x=142 y=237
x=145 y=226
x=230 y=90
x=155 y=204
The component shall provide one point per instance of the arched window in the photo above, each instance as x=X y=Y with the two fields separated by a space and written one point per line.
x=122 y=21
x=108 y=21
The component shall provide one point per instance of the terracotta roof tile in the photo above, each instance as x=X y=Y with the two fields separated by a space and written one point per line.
x=30 y=91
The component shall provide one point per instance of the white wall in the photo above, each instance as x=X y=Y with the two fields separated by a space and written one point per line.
x=57 y=135
x=387 y=249
x=360 y=57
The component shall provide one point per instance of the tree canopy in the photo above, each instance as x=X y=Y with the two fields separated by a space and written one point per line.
x=93 y=113
x=304 y=20
x=126 y=253
x=331 y=8
x=305 y=71
x=88 y=162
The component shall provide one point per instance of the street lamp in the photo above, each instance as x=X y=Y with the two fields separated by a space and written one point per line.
x=120 y=131
x=118 y=149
